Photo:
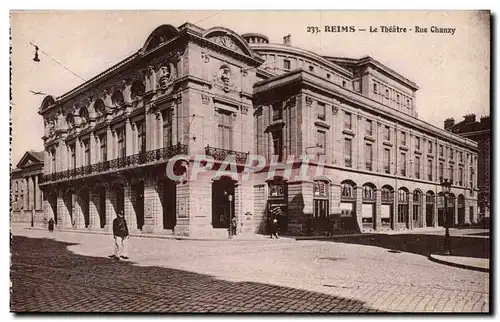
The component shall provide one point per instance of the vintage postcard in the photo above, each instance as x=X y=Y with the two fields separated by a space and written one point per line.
x=250 y=161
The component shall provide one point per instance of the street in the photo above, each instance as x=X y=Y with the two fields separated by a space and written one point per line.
x=67 y=271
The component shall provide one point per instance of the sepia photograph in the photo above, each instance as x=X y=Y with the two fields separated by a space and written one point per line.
x=221 y=162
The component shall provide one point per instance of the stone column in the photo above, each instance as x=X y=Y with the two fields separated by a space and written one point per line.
x=78 y=211
x=435 y=212
x=378 y=209
x=455 y=215
x=93 y=148
x=130 y=216
x=153 y=218
x=410 y=210
x=94 y=206
x=110 y=207
x=64 y=219
x=110 y=144
x=129 y=138
x=359 y=207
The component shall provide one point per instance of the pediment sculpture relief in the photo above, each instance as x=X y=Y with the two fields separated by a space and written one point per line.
x=166 y=75
x=223 y=79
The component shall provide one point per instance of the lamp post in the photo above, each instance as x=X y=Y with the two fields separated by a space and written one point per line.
x=446 y=186
x=230 y=198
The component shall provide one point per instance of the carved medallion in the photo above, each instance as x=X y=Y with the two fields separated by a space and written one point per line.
x=205 y=99
x=205 y=57
x=309 y=101
x=223 y=79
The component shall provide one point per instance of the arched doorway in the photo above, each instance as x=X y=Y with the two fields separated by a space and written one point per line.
x=387 y=206
x=277 y=203
x=461 y=210
x=138 y=204
x=222 y=207
x=348 y=220
x=403 y=211
x=321 y=206
x=417 y=209
x=369 y=198
x=429 y=208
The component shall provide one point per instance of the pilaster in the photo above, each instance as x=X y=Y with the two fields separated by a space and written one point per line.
x=378 y=209
x=77 y=211
x=129 y=200
x=94 y=205
x=110 y=207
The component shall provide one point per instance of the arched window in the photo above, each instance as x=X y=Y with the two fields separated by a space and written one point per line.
x=417 y=208
x=417 y=197
x=386 y=194
x=369 y=193
x=84 y=115
x=348 y=191
x=137 y=90
x=70 y=120
x=320 y=189
x=117 y=98
x=99 y=107
x=429 y=197
x=321 y=200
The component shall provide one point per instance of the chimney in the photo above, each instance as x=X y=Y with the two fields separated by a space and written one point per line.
x=449 y=122
x=470 y=118
x=287 y=40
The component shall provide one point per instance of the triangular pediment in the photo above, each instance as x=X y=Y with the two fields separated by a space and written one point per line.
x=29 y=159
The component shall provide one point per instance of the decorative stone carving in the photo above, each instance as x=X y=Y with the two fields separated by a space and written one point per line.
x=309 y=101
x=244 y=110
x=360 y=117
x=335 y=109
x=205 y=99
x=166 y=75
x=225 y=41
x=223 y=79
x=291 y=102
x=205 y=57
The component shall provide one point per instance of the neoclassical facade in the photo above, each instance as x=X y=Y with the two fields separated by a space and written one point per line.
x=213 y=94
x=26 y=195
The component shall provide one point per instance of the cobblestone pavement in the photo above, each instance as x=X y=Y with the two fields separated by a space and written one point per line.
x=72 y=272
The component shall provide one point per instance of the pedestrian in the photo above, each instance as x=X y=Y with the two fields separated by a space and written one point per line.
x=274 y=227
x=51 y=225
x=121 y=236
x=234 y=224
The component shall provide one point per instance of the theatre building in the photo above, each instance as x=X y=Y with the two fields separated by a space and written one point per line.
x=194 y=92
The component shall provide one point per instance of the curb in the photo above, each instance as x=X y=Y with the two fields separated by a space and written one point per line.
x=93 y=232
x=464 y=266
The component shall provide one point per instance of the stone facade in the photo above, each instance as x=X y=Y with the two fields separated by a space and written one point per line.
x=191 y=97
x=26 y=196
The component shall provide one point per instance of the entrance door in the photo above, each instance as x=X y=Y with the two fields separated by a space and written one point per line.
x=139 y=204
x=321 y=207
x=221 y=207
x=169 y=204
x=53 y=205
x=416 y=216
x=429 y=213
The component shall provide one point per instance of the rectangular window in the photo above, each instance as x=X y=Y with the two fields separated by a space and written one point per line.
x=347 y=120
x=321 y=140
x=321 y=107
x=224 y=129
x=451 y=154
x=348 y=152
x=375 y=89
x=277 y=136
x=417 y=167
x=121 y=143
x=73 y=155
x=403 y=164
x=369 y=127
x=86 y=145
x=286 y=64
x=387 y=133
x=167 y=128
x=417 y=143
x=441 y=171
x=441 y=150
x=429 y=170
x=403 y=138
x=368 y=156
x=103 y=148
x=397 y=98
x=387 y=160
x=277 y=111
x=461 y=157
x=451 y=174
x=430 y=147
x=471 y=177
x=460 y=176
x=54 y=164
x=141 y=137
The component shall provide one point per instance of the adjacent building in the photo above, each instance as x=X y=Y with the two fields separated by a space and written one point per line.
x=212 y=92
x=481 y=133
x=26 y=196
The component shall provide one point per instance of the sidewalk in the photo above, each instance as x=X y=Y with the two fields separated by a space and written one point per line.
x=239 y=237
x=476 y=264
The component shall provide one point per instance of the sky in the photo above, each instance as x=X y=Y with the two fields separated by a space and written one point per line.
x=452 y=71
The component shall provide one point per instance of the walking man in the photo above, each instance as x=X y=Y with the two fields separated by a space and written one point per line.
x=51 y=225
x=121 y=236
